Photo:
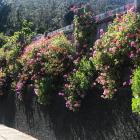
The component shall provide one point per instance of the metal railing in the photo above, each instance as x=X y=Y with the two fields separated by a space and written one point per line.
x=100 y=17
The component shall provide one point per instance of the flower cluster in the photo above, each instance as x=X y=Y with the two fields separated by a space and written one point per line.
x=77 y=83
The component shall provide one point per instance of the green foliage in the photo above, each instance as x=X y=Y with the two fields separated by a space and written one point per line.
x=44 y=88
x=81 y=78
x=14 y=45
x=136 y=90
x=63 y=42
x=46 y=15
x=136 y=105
x=136 y=83
x=3 y=39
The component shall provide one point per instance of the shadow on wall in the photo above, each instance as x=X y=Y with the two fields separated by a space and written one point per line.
x=97 y=119
x=7 y=110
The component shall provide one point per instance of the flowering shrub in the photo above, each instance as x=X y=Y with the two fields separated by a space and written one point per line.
x=117 y=50
x=44 y=62
x=77 y=83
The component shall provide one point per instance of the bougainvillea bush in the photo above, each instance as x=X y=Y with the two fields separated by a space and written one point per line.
x=44 y=63
x=116 y=54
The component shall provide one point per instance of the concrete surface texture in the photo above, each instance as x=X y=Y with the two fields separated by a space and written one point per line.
x=7 y=133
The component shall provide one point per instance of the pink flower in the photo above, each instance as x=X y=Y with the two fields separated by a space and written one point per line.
x=124 y=83
x=101 y=31
x=31 y=62
x=131 y=55
x=121 y=28
x=130 y=82
x=94 y=53
x=74 y=70
x=112 y=50
x=68 y=104
x=38 y=54
x=106 y=92
x=77 y=105
x=65 y=76
x=103 y=82
x=98 y=41
x=133 y=44
x=67 y=86
x=119 y=46
x=19 y=86
x=71 y=108
x=61 y=94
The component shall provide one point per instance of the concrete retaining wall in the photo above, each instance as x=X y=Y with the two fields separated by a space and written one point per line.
x=97 y=119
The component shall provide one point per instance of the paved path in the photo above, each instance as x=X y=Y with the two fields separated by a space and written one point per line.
x=7 y=133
